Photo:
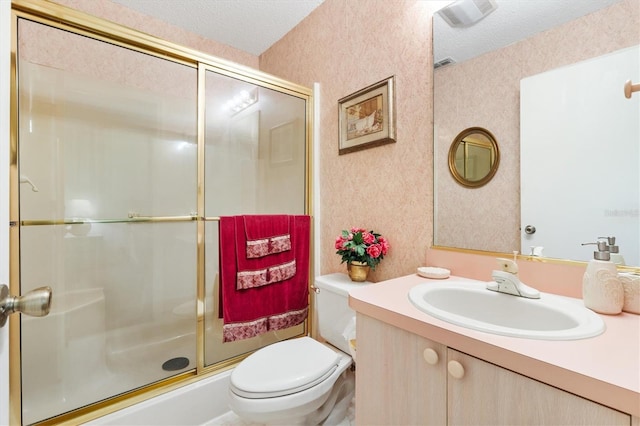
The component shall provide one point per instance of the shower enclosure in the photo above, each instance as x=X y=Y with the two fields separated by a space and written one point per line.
x=126 y=150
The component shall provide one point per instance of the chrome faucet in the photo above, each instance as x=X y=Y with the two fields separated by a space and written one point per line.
x=507 y=281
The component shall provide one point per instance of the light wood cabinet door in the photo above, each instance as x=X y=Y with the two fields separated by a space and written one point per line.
x=395 y=383
x=490 y=395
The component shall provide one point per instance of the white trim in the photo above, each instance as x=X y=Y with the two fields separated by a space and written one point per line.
x=316 y=178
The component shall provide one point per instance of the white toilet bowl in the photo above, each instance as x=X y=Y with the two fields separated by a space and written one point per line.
x=297 y=381
x=302 y=381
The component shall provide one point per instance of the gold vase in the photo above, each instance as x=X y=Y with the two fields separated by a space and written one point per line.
x=358 y=271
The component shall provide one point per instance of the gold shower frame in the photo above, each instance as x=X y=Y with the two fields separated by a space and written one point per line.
x=68 y=19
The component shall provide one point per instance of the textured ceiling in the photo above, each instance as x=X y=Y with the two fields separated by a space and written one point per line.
x=249 y=25
x=255 y=25
x=512 y=21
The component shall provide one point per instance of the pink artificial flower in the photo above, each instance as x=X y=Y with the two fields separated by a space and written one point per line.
x=375 y=247
x=384 y=245
x=368 y=238
x=374 y=251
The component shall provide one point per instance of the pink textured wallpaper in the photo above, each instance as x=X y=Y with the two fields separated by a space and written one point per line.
x=119 y=14
x=86 y=56
x=345 y=46
x=485 y=92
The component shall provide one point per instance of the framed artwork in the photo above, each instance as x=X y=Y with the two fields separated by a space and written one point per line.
x=367 y=117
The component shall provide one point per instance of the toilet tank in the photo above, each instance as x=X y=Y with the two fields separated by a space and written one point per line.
x=332 y=305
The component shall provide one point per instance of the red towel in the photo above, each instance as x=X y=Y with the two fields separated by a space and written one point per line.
x=265 y=234
x=252 y=311
x=255 y=268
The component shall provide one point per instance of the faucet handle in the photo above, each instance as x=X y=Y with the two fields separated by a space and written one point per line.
x=507 y=265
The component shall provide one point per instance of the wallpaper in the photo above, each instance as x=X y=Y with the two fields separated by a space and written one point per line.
x=119 y=14
x=346 y=46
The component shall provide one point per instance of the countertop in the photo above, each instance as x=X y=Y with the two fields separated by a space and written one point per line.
x=604 y=369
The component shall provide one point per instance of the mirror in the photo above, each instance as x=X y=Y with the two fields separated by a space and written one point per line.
x=474 y=157
x=481 y=87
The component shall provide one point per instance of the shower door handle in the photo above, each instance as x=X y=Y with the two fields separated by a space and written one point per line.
x=36 y=303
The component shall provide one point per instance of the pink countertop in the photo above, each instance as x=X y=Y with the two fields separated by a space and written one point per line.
x=604 y=369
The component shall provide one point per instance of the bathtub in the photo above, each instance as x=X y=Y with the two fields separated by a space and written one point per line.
x=199 y=403
x=203 y=403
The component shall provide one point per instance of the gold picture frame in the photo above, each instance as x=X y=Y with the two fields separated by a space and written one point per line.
x=367 y=117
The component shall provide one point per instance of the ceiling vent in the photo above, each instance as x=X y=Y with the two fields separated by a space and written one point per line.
x=442 y=63
x=464 y=13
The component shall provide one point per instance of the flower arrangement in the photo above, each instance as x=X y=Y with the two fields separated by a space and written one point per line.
x=360 y=245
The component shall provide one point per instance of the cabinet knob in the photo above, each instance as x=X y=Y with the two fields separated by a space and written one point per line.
x=455 y=369
x=430 y=356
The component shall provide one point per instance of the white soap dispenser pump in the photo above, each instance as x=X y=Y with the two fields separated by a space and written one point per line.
x=614 y=251
x=602 y=289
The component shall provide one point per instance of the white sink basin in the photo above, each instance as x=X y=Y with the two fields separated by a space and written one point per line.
x=469 y=304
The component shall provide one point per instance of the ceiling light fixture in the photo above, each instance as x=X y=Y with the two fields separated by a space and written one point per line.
x=241 y=101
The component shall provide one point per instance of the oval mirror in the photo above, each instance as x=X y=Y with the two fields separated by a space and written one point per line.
x=474 y=157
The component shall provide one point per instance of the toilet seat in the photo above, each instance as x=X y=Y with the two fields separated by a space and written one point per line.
x=284 y=368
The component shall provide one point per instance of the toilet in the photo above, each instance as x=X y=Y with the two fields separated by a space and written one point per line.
x=301 y=381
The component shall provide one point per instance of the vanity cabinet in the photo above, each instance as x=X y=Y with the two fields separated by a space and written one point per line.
x=395 y=385
x=486 y=394
x=405 y=379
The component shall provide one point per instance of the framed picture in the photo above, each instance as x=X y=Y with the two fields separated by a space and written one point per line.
x=367 y=117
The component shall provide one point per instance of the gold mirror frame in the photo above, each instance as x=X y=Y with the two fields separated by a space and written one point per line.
x=495 y=154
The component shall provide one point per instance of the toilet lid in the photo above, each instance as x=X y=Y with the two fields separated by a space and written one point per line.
x=284 y=368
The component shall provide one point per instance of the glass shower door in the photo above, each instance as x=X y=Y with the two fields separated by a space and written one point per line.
x=255 y=164
x=107 y=160
x=120 y=192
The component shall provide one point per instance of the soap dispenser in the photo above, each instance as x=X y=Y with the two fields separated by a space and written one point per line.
x=602 y=290
x=614 y=251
